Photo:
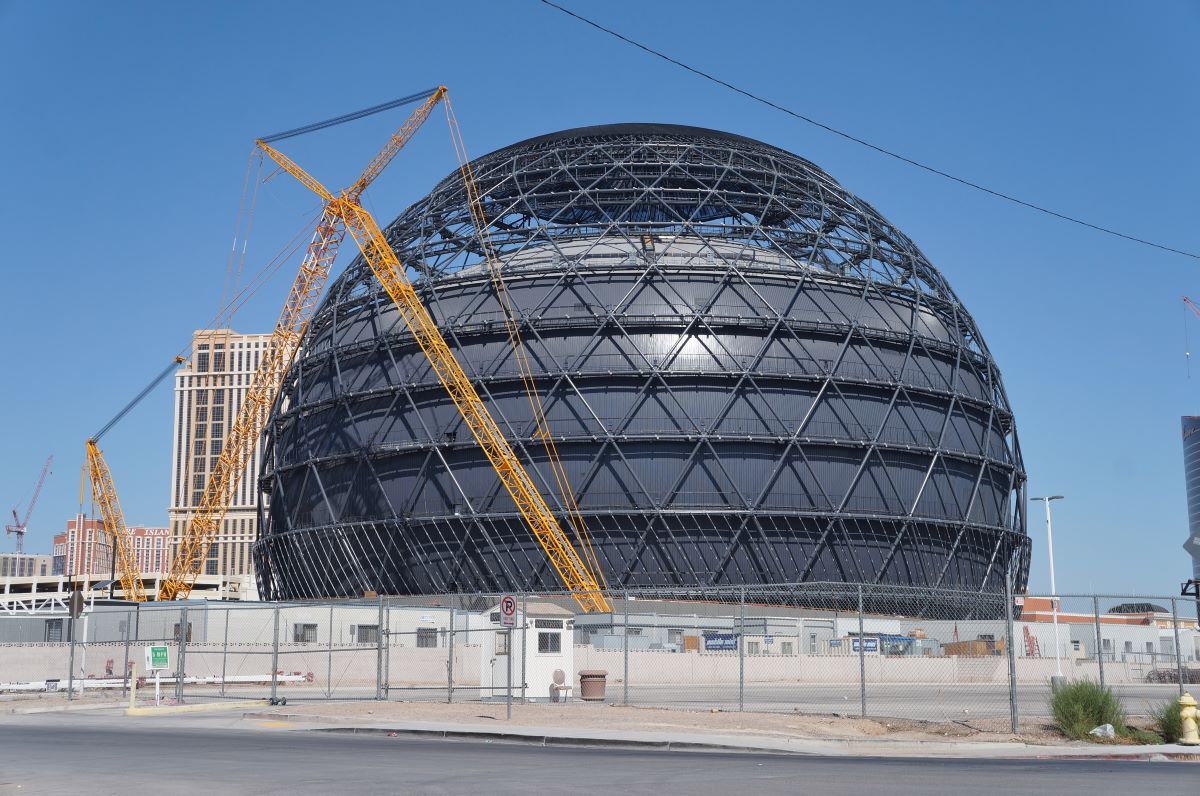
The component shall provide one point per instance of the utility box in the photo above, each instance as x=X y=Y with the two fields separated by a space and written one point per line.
x=541 y=643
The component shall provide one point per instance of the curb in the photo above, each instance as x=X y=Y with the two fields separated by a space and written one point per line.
x=836 y=748
x=716 y=748
x=558 y=740
x=202 y=707
x=62 y=708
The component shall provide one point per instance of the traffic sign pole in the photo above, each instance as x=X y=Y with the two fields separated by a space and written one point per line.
x=508 y=620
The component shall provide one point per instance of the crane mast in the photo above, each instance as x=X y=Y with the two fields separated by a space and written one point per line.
x=571 y=567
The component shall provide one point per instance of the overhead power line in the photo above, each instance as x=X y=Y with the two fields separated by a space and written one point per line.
x=882 y=150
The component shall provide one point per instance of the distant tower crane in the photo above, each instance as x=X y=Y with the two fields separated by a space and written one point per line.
x=20 y=525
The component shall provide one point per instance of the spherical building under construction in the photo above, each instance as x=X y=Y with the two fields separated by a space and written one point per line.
x=750 y=375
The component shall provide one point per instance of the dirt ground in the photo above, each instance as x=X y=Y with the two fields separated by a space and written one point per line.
x=582 y=715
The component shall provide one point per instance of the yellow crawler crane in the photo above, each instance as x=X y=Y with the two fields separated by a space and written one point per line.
x=104 y=492
x=572 y=568
x=243 y=435
x=341 y=213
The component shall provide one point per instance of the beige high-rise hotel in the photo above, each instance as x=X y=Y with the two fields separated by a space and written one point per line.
x=209 y=390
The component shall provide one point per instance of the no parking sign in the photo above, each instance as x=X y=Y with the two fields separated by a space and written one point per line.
x=508 y=611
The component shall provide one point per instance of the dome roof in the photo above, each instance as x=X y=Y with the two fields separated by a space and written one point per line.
x=661 y=179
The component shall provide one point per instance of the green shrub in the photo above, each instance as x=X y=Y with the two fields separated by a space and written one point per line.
x=1081 y=705
x=1166 y=719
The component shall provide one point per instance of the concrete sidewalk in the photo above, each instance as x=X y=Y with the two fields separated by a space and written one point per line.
x=548 y=735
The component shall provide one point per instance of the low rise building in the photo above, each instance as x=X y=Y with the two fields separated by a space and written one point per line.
x=85 y=548
x=19 y=565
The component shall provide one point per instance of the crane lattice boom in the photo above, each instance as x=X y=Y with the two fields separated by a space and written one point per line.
x=239 y=444
x=105 y=493
x=572 y=569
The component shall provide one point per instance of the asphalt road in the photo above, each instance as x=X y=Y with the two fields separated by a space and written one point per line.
x=94 y=754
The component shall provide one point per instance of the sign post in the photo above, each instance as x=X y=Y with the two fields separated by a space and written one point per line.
x=157 y=659
x=508 y=619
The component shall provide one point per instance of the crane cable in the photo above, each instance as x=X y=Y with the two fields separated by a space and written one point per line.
x=504 y=298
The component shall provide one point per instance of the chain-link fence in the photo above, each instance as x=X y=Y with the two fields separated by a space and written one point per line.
x=840 y=649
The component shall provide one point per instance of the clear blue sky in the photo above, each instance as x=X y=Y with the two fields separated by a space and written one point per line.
x=126 y=128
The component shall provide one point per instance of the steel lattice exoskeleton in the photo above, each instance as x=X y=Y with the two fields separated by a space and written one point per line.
x=751 y=376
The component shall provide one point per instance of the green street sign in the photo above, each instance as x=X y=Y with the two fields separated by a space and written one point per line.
x=156 y=658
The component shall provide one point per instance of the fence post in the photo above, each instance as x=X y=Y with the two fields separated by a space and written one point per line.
x=71 y=660
x=741 y=643
x=125 y=662
x=382 y=631
x=1099 y=638
x=1011 y=648
x=450 y=661
x=183 y=642
x=329 y=658
x=862 y=656
x=275 y=658
x=1178 y=649
x=225 y=650
x=625 y=642
x=524 y=641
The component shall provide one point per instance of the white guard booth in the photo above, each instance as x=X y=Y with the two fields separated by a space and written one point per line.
x=543 y=650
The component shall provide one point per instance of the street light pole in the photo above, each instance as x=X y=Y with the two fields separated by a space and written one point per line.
x=1053 y=588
